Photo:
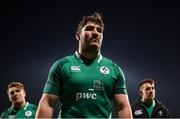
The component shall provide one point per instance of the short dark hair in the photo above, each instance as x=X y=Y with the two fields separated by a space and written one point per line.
x=96 y=18
x=146 y=80
x=15 y=84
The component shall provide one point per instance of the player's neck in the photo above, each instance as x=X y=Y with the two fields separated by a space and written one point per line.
x=89 y=55
x=19 y=105
x=147 y=102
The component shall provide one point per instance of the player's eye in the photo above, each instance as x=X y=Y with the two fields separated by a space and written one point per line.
x=12 y=92
x=17 y=90
x=148 y=88
x=89 y=28
x=99 y=30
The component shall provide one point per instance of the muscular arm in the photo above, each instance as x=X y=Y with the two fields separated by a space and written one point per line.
x=122 y=106
x=46 y=106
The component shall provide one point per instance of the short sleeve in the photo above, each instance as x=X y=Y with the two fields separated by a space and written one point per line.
x=120 y=82
x=52 y=85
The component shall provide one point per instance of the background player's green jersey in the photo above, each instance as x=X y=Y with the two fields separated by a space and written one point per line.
x=85 y=88
x=28 y=111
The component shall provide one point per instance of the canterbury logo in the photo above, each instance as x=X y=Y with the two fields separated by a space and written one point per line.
x=138 y=112
x=75 y=68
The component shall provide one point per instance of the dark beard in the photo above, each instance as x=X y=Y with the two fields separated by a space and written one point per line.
x=91 y=49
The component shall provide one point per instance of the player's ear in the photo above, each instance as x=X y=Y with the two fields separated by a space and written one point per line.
x=9 y=98
x=140 y=92
x=24 y=93
x=78 y=36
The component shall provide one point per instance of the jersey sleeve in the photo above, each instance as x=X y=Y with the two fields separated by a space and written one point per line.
x=52 y=85
x=2 y=115
x=120 y=82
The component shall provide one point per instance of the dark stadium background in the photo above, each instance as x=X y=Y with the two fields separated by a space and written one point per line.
x=142 y=37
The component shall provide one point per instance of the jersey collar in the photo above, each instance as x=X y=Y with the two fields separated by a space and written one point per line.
x=25 y=107
x=98 y=59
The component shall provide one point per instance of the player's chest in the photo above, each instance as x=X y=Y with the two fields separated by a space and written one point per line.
x=79 y=74
x=20 y=114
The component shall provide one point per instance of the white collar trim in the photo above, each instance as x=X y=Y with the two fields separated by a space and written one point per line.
x=77 y=55
x=26 y=105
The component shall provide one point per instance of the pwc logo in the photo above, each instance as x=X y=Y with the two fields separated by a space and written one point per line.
x=90 y=95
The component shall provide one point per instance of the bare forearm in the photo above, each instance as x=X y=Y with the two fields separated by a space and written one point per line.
x=46 y=106
x=124 y=113
x=123 y=107
x=44 y=111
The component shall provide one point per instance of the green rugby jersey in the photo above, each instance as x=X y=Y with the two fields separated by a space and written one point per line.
x=85 y=89
x=28 y=111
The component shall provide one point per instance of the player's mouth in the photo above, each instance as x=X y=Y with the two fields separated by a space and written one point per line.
x=15 y=98
x=94 y=40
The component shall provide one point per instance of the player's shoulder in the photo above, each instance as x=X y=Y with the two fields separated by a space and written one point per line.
x=113 y=65
x=5 y=112
x=2 y=114
x=64 y=60
x=106 y=60
x=33 y=106
x=160 y=104
x=109 y=62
